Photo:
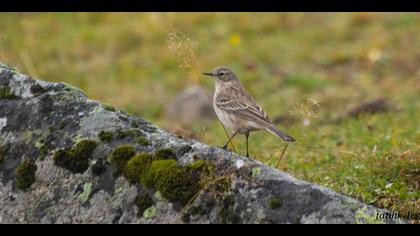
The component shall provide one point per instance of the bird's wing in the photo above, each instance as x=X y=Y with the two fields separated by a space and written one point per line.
x=243 y=105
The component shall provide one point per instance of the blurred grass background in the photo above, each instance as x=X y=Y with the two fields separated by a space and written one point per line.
x=288 y=61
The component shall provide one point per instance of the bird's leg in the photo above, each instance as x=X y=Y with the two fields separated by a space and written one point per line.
x=230 y=139
x=247 y=142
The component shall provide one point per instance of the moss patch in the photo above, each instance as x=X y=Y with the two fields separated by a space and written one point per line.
x=142 y=141
x=161 y=172
x=77 y=158
x=174 y=182
x=199 y=165
x=165 y=153
x=25 y=175
x=143 y=202
x=43 y=151
x=134 y=124
x=108 y=107
x=105 y=136
x=121 y=155
x=137 y=167
x=6 y=93
x=129 y=133
x=274 y=203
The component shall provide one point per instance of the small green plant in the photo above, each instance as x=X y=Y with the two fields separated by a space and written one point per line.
x=105 y=136
x=25 y=174
x=6 y=93
x=142 y=141
x=274 y=203
x=76 y=159
x=121 y=155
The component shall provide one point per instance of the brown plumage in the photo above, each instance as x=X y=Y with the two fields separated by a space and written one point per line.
x=237 y=109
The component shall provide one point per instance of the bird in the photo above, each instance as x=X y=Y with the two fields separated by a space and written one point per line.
x=237 y=109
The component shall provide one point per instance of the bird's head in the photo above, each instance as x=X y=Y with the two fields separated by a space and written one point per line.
x=222 y=74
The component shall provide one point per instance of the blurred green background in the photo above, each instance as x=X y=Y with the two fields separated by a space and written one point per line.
x=307 y=70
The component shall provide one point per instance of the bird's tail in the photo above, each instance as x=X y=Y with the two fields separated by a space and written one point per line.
x=280 y=134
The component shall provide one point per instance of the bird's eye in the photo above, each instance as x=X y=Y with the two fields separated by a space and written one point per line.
x=222 y=73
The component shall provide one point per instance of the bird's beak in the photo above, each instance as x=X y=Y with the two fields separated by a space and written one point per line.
x=208 y=74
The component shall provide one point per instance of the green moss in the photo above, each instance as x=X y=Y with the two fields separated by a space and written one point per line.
x=199 y=165
x=174 y=182
x=43 y=151
x=143 y=202
x=108 y=107
x=134 y=124
x=6 y=93
x=77 y=158
x=274 y=203
x=137 y=167
x=204 y=169
x=142 y=141
x=128 y=133
x=105 y=136
x=121 y=155
x=158 y=171
x=165 y=154
x=37 y=90
x=25 y=175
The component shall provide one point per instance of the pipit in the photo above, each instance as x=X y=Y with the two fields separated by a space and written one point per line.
x=238 y=110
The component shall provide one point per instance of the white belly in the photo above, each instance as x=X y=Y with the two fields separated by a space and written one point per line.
x=226 y=119
x=234 y=123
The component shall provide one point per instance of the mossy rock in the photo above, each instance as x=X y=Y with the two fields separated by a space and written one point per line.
x=164 y=154
x=43 y=151
x=77 y=158
x=6 y=93
x=174 y=182
x=121 y=155
x=274 y=203
x=142 y=141
x=25 y=175
x=129 y=133
x=105 y=136
x=108 y=107
x=137 y=167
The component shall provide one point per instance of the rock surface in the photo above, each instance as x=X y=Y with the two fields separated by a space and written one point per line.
x=41 y=122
